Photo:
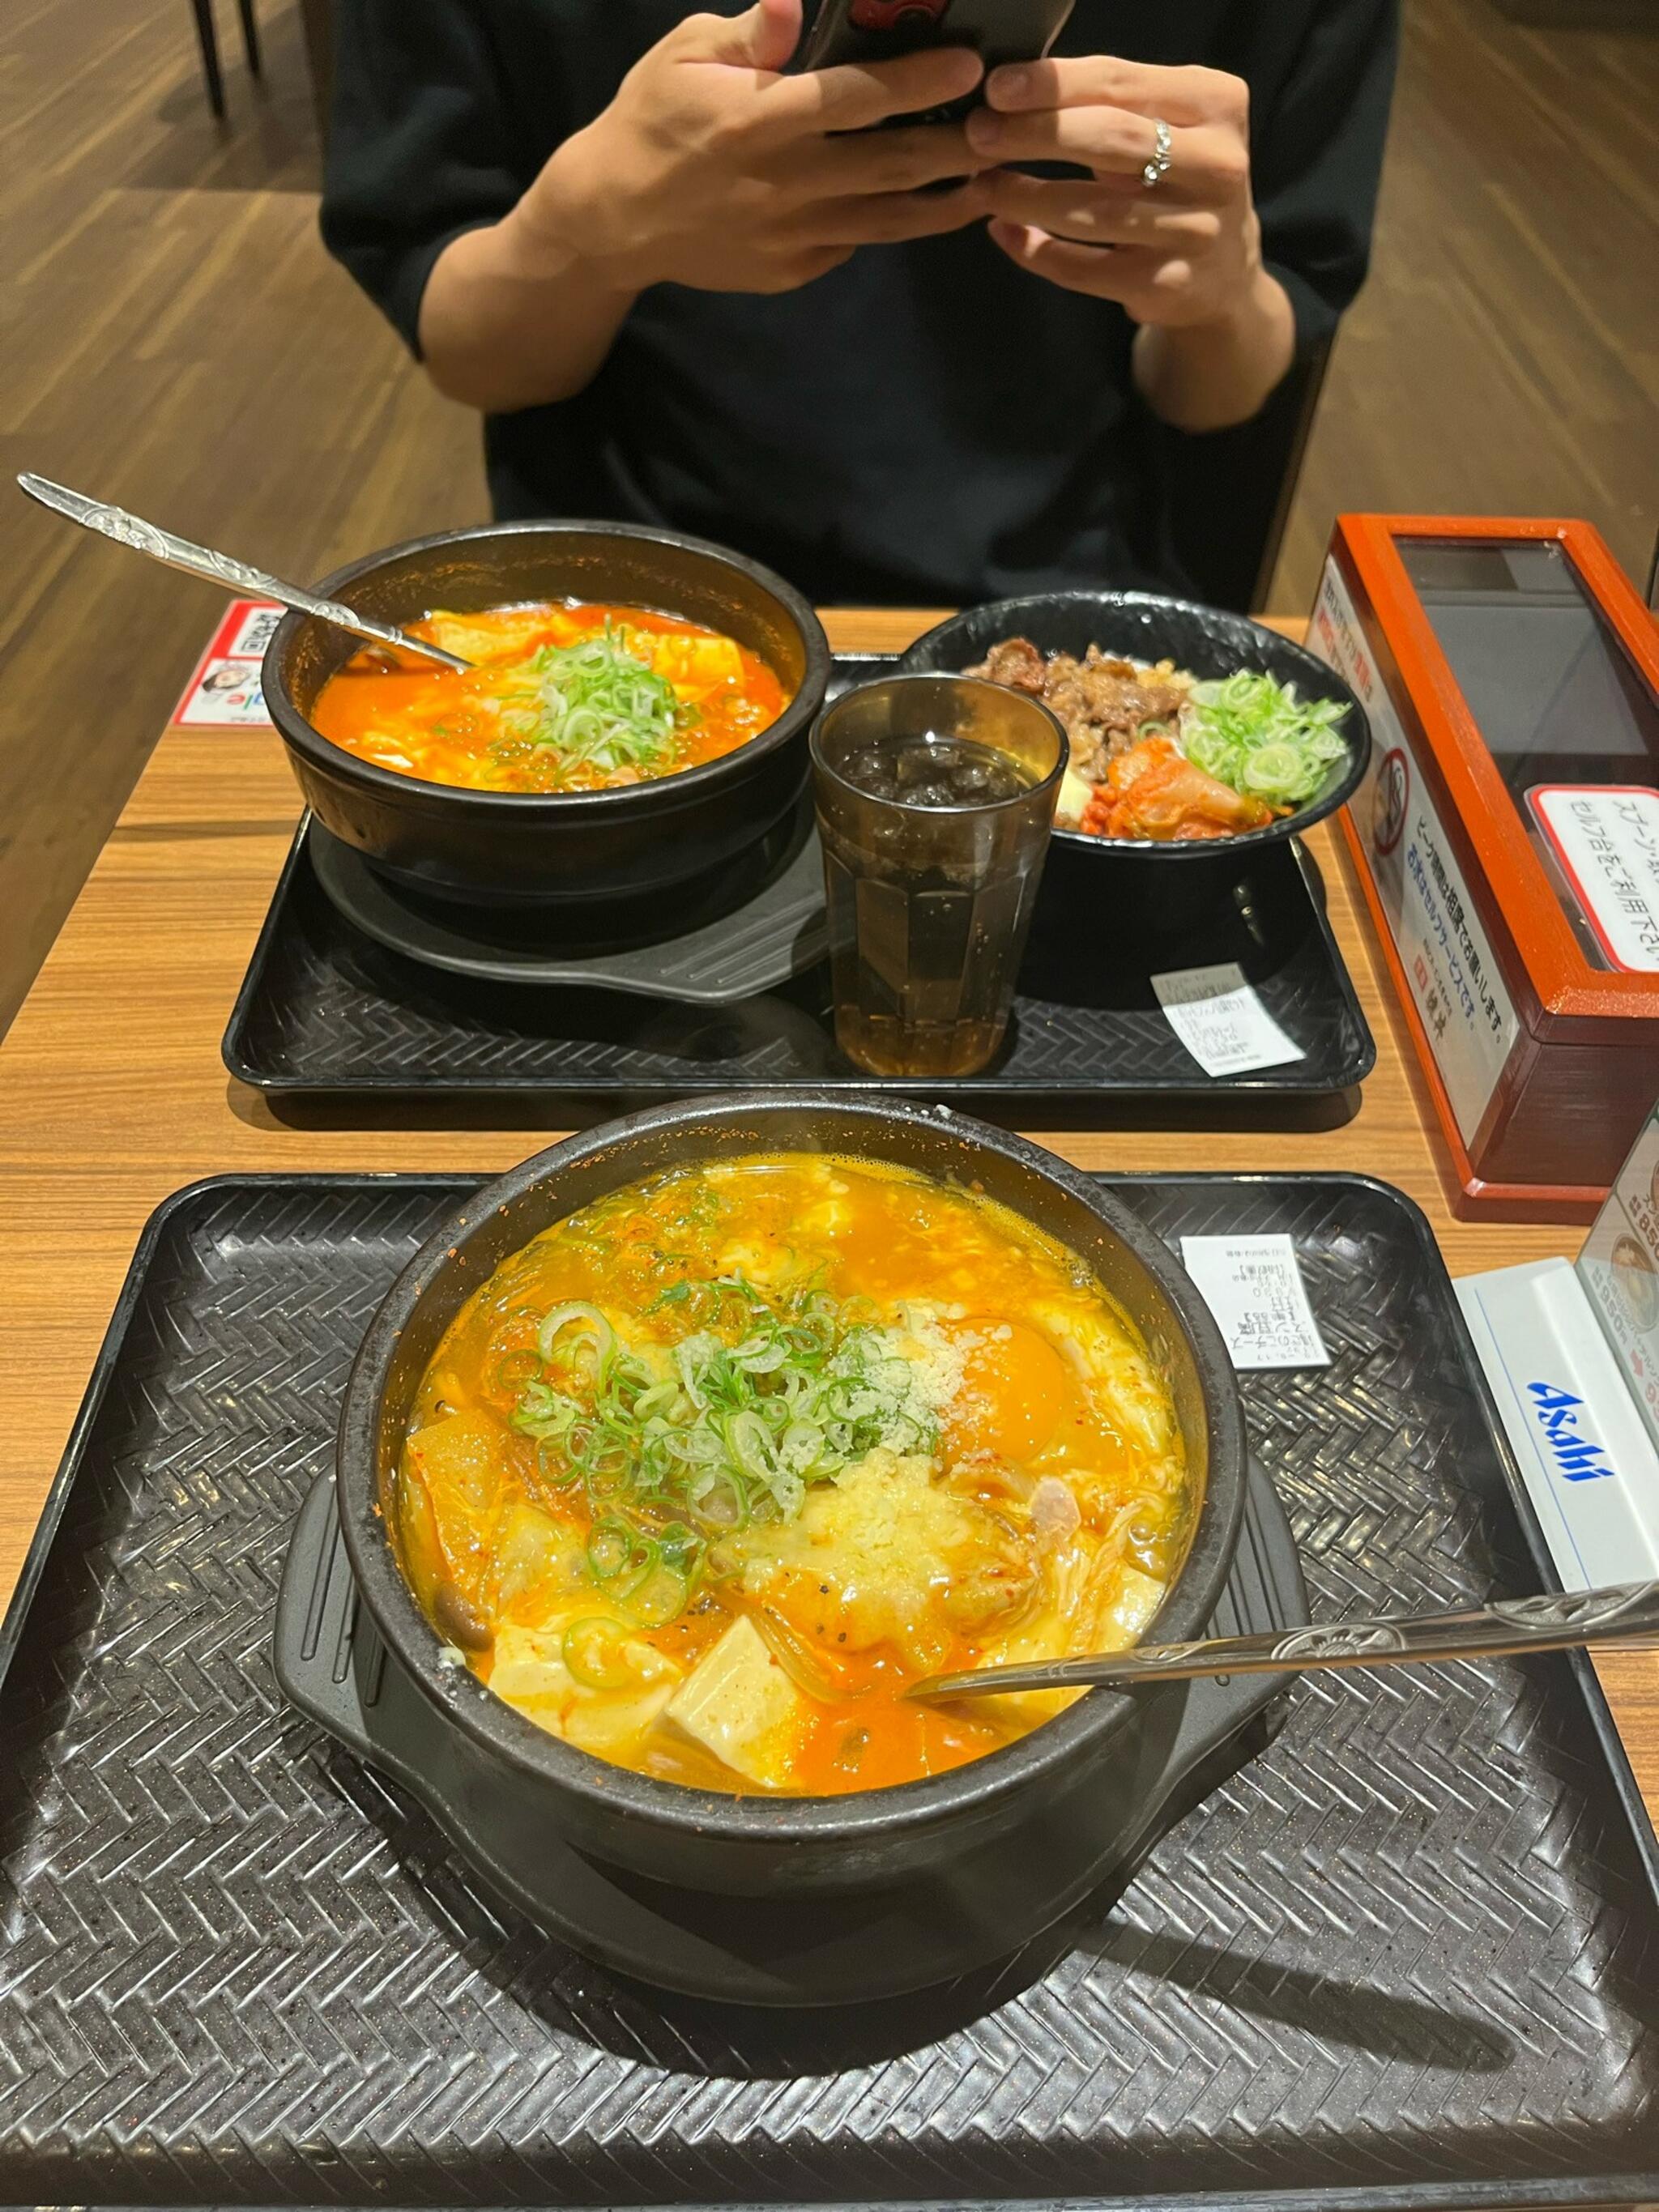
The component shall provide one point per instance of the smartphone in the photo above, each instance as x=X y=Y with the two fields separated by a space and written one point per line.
x=879 y=30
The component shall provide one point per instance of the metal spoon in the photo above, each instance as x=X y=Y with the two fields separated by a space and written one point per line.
x=219 y=569
x=1622 y=1613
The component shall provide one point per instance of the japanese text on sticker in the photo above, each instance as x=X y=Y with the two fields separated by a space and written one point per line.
x=1254 y=1287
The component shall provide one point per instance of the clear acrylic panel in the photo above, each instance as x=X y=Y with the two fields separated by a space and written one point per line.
x=1571 y=722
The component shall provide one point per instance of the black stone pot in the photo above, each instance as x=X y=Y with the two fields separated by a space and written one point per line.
x=580 y=849
x=1139 y=882
x=526 y=1784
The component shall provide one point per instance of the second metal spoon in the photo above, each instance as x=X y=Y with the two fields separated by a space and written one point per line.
x=219 y=568
x=1625 y=1612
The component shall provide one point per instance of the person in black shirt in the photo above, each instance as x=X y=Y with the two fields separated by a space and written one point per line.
x=686 y=287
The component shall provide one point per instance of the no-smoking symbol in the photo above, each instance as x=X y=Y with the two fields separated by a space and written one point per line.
x=1389 y=803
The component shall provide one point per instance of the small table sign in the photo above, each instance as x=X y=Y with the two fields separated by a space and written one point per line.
x=1571 y=1353
x=224 y=692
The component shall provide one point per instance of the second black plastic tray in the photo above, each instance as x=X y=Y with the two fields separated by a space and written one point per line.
x=327 y=1013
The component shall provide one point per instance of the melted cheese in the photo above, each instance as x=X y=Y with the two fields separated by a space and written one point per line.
x=886 y=1554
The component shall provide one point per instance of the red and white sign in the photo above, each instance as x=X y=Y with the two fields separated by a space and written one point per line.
x=224 y=692
x=1606 y=835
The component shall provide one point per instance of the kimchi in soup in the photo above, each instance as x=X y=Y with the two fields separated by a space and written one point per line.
x=562 y=697
x=702 y=1479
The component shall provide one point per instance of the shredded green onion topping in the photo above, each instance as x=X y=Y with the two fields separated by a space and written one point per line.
x=762 y=1396
x=597 y=705
x=1253 y=734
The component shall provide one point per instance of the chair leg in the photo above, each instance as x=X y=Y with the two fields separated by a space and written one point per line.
x=316 y=21
x=209 y=44
x=250 y=36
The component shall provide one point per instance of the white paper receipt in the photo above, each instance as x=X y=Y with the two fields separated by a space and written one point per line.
x=1220 y=1020
x=1254 y=1287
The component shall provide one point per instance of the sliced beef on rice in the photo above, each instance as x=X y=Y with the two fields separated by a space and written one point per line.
x=1017 y=663
x=1105 y=703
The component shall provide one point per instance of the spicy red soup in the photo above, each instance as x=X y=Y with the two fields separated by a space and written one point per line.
x=706 y=1475
x=562 y=696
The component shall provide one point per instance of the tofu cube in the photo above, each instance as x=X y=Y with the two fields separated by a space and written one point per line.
x=1074 y=795
x=1138 y=1599
x=739 y=1704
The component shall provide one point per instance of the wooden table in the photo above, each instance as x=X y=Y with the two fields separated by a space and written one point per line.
x=112 y=1095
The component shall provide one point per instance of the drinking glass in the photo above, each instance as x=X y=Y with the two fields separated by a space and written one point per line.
x=935 y=800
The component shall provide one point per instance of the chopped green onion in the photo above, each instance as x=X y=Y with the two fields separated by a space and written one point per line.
x=593 y=1324
x=597 y=704
x=592 y=1650
x=767 y=1396
x=723 y=1506
x=1253 y=734
x=660 y=1598
x=554 y=1468
x=618 y=1554
x=512 y=1370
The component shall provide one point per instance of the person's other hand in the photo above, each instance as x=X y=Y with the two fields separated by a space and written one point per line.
x=713 y=169
x=1183 y=251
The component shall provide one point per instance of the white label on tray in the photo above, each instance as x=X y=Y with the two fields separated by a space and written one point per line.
x=1451 y=968
x=1220 y=1020
x=1254 y=1287
x=1606 y=836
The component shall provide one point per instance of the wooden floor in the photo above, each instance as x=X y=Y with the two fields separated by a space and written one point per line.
x=1505 y=357
x=173 y=337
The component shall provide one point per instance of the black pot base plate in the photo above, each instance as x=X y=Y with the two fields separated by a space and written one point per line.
x=742 y=930
x=995 y=1913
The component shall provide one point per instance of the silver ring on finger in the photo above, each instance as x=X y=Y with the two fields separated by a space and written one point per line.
x=1163 y=155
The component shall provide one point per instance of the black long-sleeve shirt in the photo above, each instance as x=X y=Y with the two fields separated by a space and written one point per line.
x=928 y=423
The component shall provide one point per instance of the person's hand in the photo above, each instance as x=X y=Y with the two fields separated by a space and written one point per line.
x=711 y=168
x=1183 y=251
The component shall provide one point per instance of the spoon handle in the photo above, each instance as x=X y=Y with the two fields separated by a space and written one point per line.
x=219 y=568
x=1625 y=1611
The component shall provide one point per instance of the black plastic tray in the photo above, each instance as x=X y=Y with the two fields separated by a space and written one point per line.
x=326 y=1014
x=1407 y=1958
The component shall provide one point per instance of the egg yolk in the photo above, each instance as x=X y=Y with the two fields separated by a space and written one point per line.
x=1016 y=1389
